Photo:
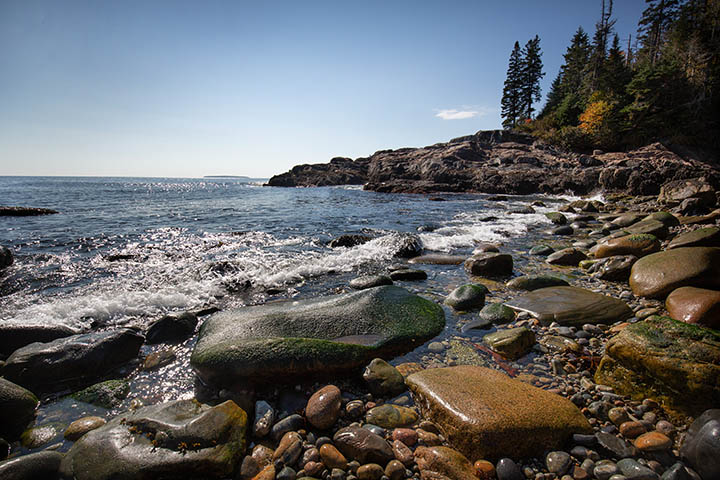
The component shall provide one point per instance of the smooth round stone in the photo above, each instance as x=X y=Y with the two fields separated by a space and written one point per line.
x=638 y=245
x=558 y=463
x=287 y=424
x=81 y=426
x=36 y=437
x=312 y=454
x=698 y=306
x=604 y=469
x=313 y=468
x=635 y=471
x=556 y=217
x=632 y=429
x=159 y=359
x=35 y=466
x=676 y=472
x=332 y=458
x=660 y=273
x=652 y=442
x=355 y=409
x=383 y=379
x=563 y=230
x=512 y=343
x=286 y=473
x=391 y=416
x=443 y=462
x=702 y=237
x=395 y=470
x=665 y=427
x=376 y=429
x=506 y=469
x=484 y=470
x=618 y=415
x=567 y=257
x=323 y=408
x=438 y=259
x=370 y=281
x=486 y=248
x=289 y=449
x=408 y=274
x=497 y=313
x=362 y=445
x=408 y=436
x=370 y=471
x=489 y=265
x=402 y=453
x=467 y=297
x=436 y=347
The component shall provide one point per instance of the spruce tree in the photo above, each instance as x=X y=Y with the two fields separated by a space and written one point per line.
x=531 y=73
x=511 y=106
x=616 y=74
x=653 y=26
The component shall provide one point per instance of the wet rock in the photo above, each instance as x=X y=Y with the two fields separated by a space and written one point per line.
x=172 y=328
x=369 y=281
x=75 y=359
x=40 y=466
x=17 y=408
x=485 y=248
x=605 y=469
x=264 y=419
x=632 y=429
x=649 y=227
x=391 y=416
x=81 y=426
x=658 y=274
x=701 y=448
x=534 y=282
x=349 y=240
x=107 y=394
x=443 y=462
x=489 y=265
x=408 y=436
x=36 y=437
x=566 y=256
x=697 y=306
x=667 y=360
x=18 y=335
x=497 y=314
x=541 y=250
x=332 y=334
x=438 y=259
x=383 y=379
x=571 y=306
x=408 y=274
x=402 y=453
x=635 y=471
x=287 y=424
x=676 y=472
x=512 y=343
x=562 y=230
x=702 y=237
x=323 y=408
x=289 y=449
x=666 y=218
x=180 y=439
x=159 y=359
x=506 y=469
x=614 y=269
x=6 y=257
x=627 y=219
x=467 y=297
x=614 y=446
x=561 y=344
x=485 y=414
x=407 y=245
x=652 y=442
x=674 y=192
x=637 y=245
x=332 y=458
x=370 y=471
x=395 y=470
x=557 y=218
x=558 y=462
x=362 y=445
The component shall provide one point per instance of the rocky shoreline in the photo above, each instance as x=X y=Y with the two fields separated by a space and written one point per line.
x=597 y=356
x=505 y=162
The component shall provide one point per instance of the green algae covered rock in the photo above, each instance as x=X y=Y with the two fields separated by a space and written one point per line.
x=183 y=439
x=676 y=363
x=107 y=394
x=326 y=335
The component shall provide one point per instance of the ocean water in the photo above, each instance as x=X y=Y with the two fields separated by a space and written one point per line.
x=127 y=250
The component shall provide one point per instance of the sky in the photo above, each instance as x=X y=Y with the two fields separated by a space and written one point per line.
x=193 y=88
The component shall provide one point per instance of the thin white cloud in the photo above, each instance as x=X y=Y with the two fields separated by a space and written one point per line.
x=463 y=113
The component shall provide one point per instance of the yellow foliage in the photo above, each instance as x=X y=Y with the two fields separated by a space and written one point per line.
x=593 y=119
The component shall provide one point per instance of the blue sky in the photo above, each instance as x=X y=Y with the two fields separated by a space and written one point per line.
x=180 y=88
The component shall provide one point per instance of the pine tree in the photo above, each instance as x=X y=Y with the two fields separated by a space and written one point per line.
x=615 y=74
x=531 y=73
x=576 y=61
x=603 y=29
x=511 y=106
x=654 y=24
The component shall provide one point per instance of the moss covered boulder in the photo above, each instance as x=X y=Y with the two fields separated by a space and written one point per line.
x=571 y=306
x=676 y=363
x=638 y=245
x=183 y=439
x=486 y=414
x=658 y=274
x=317 y=336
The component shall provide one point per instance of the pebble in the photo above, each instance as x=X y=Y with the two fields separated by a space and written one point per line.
x=632 y=429
x=337 y=474
x=618 y=415
x=313 y=468
x=402 y=453
x=652 y=442
x=604 y=469
x=665 y=427
x=287 y=424
x=632 y=470
x=264 y=418
x=332 y=458
x=484 y=470
x=286 y=473
x=558 y=463
x=391 y=416
x=312 y=454
x=289 y=449
x=436 y=347
x=428 y=438
x=506 y=469
x=323 y=407
x=408 y=436
x=81 y=426
x=355 y=409
x=370 y=471
x=395 y=470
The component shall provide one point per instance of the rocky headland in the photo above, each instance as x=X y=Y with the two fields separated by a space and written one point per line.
x=505 y=162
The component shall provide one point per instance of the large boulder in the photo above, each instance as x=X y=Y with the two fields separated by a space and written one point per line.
x=78 y=359
x=486 y=414
x=6 y=257
x=701 y=447
x=489 y=264
x=40 y=465
x=658 y=274
x=673 y=193
x=17 y=408
x=317 y=336
x=702 y=237
x=571 y=306
x=649 y=226
x=695 y=305
x=172 y=328
x=16 y=335
x=673 y=362
x=183 y=439
x=637 y=245
x=467 y=297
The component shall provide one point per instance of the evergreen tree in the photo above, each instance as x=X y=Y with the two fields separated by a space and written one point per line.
x=603 y=29
x=616 y=74
x=576 y=60
x=531 y=73
x=511 y=106
x=654 y=24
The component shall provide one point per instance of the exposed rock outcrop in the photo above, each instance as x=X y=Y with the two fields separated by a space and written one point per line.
x=499 y=161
